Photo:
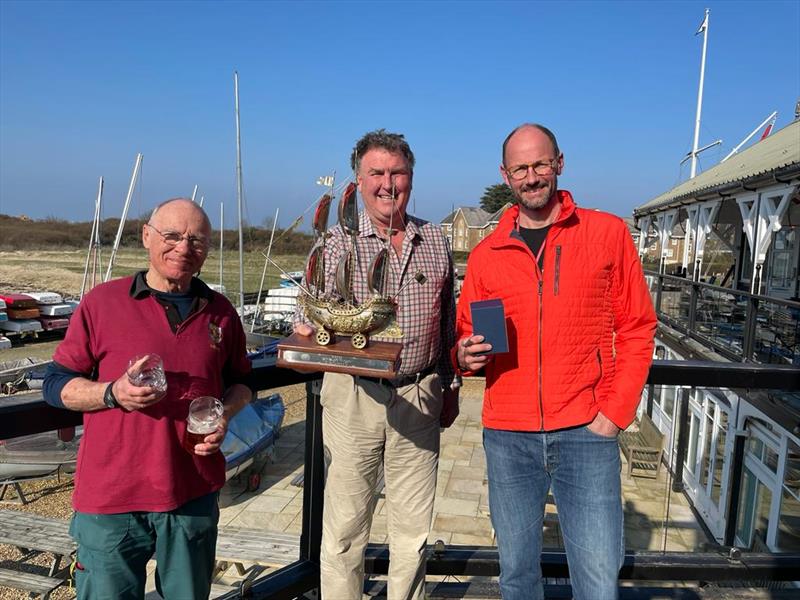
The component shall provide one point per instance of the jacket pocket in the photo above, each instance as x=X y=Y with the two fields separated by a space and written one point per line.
x=599 y=364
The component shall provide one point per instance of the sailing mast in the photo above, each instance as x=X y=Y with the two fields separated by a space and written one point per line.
x=704 y=29
x=94 y=241
x=239 y=191
x=132 y=186
x=221 y=234
x=264 y=273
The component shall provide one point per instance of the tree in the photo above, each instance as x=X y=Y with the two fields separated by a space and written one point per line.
x=495 y=197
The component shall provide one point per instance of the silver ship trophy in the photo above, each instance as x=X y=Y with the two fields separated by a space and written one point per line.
x=342 y=341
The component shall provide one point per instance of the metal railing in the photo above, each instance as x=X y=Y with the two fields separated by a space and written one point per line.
x=738 y=325
x=722 y=564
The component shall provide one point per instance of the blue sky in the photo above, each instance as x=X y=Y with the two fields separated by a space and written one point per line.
x=84 y=86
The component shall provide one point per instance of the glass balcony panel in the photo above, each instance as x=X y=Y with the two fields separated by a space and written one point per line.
x=720 y=317
x=777 y=333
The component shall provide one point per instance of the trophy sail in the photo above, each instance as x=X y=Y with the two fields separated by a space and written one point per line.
x=378 y=272
x=315 y=271
x=344 y=274
x=321 y=214
x=348 y=210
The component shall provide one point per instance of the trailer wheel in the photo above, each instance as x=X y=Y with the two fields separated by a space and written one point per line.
x=253 y=482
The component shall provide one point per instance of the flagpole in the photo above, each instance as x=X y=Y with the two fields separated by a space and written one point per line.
x=704 y=28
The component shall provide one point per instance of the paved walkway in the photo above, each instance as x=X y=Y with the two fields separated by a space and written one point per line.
x=461 y=513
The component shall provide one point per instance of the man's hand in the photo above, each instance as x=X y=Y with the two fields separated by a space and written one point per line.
x=306 y=331
x=133 y=397
x=602 y=425
x=213 y=441
x=303 y=329
x=469 y=353
x=449 y=407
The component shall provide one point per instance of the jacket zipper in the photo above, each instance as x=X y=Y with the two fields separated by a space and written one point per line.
x=558 y=268
x=541 y=402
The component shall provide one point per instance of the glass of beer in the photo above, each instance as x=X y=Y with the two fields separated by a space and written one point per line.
x=205 y=414
x=147 y=370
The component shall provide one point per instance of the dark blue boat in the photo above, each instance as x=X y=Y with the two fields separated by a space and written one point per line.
x=252 y=431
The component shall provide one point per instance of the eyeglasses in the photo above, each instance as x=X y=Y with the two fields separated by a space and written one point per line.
x=172 y=239
x=541 y=168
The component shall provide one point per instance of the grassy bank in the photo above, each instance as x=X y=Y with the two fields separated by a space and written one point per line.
x=61 y=271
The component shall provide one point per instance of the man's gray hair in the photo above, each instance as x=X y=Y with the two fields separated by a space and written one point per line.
x=380 y=138
x=550 y=135
x=171 y=200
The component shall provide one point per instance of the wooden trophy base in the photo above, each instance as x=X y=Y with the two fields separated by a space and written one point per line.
x=378 y=359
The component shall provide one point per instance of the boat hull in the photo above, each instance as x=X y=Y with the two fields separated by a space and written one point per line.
x=36 y=456
x=54 y=323
x=23 y=326
x=46 y=297
x=253 y=430
x=55 y=310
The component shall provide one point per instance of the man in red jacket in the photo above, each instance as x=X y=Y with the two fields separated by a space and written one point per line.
x=580 y=327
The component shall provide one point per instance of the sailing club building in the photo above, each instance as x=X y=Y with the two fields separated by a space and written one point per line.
x=731 y=295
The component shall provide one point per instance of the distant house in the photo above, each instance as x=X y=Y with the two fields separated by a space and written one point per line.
x=673 y=255
x=466 y=226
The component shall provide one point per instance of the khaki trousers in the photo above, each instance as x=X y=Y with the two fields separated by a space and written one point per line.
x=365 y=425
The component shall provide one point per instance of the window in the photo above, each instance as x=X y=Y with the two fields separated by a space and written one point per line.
x=754 y=507
x=788 y=539
x=763 y=452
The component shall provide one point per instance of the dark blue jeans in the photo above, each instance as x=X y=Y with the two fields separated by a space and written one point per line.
x=583 y=469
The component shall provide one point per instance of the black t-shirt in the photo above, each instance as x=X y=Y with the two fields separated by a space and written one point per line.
x=181 y=301
x=534 y=238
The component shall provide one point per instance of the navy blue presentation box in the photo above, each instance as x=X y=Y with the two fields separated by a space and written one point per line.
x=489 y=320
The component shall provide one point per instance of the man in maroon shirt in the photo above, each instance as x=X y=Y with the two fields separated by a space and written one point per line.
x=138 y=492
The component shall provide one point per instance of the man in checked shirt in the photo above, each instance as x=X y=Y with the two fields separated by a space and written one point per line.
x=368 y=423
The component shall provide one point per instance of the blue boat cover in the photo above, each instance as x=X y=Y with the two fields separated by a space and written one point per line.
x=253 y=429
x=269 y=349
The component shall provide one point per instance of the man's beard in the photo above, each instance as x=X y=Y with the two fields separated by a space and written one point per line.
x=534 y=203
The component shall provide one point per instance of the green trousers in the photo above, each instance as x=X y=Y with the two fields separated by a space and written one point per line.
x=113 y=551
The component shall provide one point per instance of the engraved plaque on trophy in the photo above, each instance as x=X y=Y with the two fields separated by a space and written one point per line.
x=381 y=359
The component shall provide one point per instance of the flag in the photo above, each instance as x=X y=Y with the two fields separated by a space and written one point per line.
x=703 y=25
x=326 y=180
x=768 y=128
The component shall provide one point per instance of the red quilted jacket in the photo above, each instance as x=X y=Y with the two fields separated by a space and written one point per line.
x=580 y=330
